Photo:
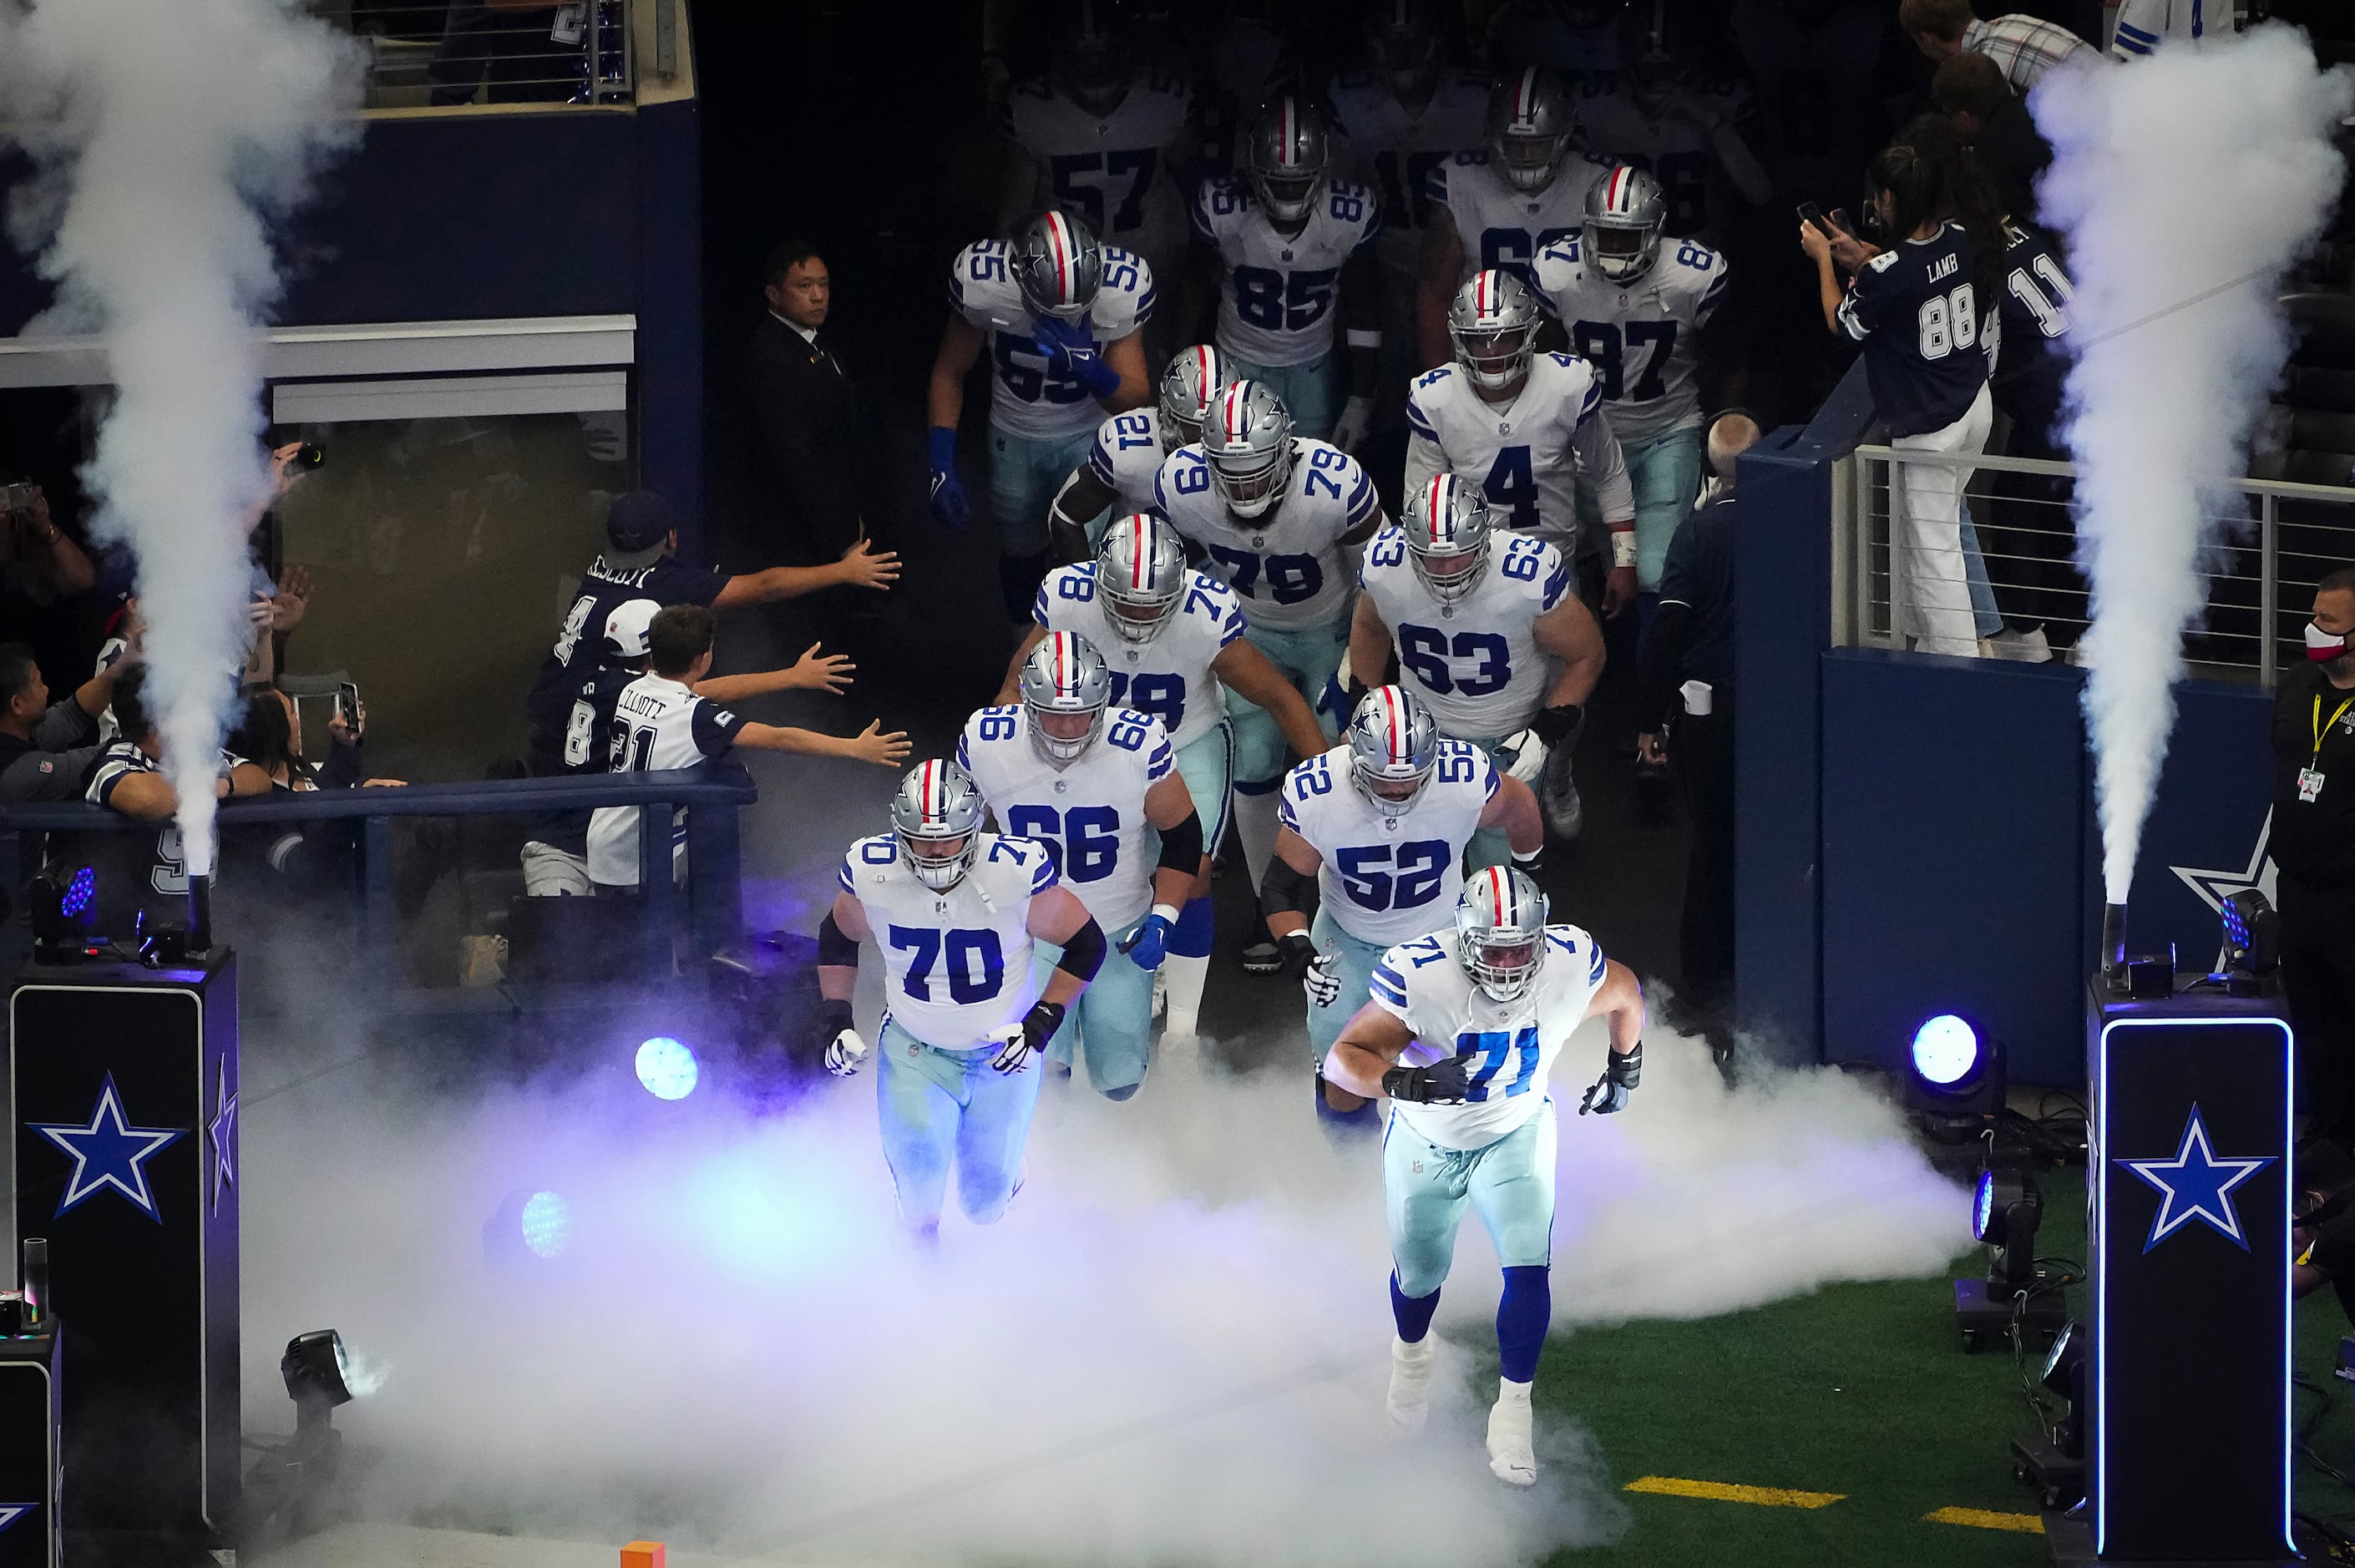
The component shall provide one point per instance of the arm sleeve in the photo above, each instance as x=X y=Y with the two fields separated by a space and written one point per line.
x=1160 y=759
x=713 y=728
x=1866 y=301
x=62 y=725
x=1230 y=624
x=1602 y=463
x=109 y=771
x=669 y=585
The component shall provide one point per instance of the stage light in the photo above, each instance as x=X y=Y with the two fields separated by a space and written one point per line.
x=315 y=1369
x=2006 y=1210
x=1945 y=1050
x=2252 y=941
x=60 y=904
x=2054 y=1464
x=667 y=1068
x=547 y=1223
x=2061 y=1362
x=1955 y=1080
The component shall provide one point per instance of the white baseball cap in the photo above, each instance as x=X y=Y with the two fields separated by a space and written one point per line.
x=625 y=629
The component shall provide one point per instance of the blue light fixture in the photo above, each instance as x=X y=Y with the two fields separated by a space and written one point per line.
x=547 y=1223
x=1983 y=1206
x=667 y=1068
x=1945 y=1050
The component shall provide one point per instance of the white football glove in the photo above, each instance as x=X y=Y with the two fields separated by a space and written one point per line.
x=1014 y=1047
x=1527 y=750
x=1357 y=419
x=845 y=1053
x=1320 y=982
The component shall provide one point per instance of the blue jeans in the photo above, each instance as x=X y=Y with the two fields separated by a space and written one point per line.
x=1308 y=390
x=1984 y=614
x=940 y=1108
x=1312 y=659
x=1510 y=1183
x=1111 y=1019
x=1024 y=475
x=1352 y=963
x=1666 y=476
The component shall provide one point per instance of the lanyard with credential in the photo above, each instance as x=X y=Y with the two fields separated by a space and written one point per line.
x=2320 y=726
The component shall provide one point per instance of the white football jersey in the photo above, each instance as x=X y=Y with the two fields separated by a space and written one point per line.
x=1126 y=456
x=1395 y=150
x=1169 y=677
x=1514 y=1044
x=1287 y=562
x=1279 y=298
x=1026 y=399
x=1476 y=663
x=1670 y=145
x=1090 y=815
x=1504 y=228
x=1388 y=878
x=956 y=964
x=657 y=725
x=1643 y=338
x=1526 y=454
x=1112 y=171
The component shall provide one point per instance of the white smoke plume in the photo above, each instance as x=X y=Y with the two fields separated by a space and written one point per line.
x=2188 y=184
x=169 y=139
x=1172 y=1349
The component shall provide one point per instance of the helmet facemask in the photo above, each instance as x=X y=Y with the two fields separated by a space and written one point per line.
x=1251 y=483
x=1494 y=359
x=1462 y=573
x=940 y=862
x=1500 y=932
x=1065 y=690
x=1503 y=963
x=1529 y=163
x=1621 y=253
x=1062 y=750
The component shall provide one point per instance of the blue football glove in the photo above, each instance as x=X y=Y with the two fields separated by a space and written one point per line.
x=949 y=503
x=1149 y=943
x=1071 y=351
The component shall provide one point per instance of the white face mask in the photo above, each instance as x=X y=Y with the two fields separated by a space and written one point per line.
x=2322 y=646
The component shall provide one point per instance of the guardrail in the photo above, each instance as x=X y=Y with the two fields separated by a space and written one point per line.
x=2277 y=539
x=430 y=53
x=713 y=901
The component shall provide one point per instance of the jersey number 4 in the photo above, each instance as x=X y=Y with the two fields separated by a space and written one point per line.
x=976 y=964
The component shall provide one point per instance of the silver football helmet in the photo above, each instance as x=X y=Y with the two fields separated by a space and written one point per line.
x=1393 y=747
x=1140 y=576
x=1189 y=387
x=1493 y=322
x=1624 y=214
x=937 y=813
x=1065 y=678
x=1529 y=127
x=1287 y=153
x=1500 y=931
x=1403 y=44
x=1247 y=436
x=1446 y=529
x=1057 y=264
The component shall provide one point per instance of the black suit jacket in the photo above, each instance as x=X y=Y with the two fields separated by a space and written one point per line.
x=2013 y=153
x=806 y=424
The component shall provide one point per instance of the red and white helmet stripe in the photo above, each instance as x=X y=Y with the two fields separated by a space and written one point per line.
x=1525 y=101
x=1066 y=255
x=1397 y=739
x=1287 y=130
x=929 y=795
x=1234 y=410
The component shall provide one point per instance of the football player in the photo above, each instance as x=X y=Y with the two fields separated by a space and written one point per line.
x=1683 y=132
x=1271 y=515
x=1175 y=641
x=1525 y=427
x=1488 y=1004
x=1638 y=311
x=1378 y=853
x=1293 y=248
x=1130 y=449
x=1495 y=207
x=1088 y=781
x=1059 y=315
x=1489 y=635
x=954 y=911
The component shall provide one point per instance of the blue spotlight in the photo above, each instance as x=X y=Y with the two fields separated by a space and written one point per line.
x=1982 y=1205
x=547 y=1223
x=667 y=1068
x=1945 y=1050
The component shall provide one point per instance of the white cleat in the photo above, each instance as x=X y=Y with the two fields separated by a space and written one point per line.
x=1411 y=1366
x=1512 y=1452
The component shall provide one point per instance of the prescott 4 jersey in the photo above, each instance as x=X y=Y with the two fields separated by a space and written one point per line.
x=1279 y=297
x=1127 y=454
x=1108 y=169
x=1026 y=398
x=1090 y=815
x=1393 y=149
x=1643 y=337
x=956 y=964
x=1513 y=1045
x=1526 y=454
x=1476 y=664
x=1504 y=228
x=1386 y=878
x=1168 y=677
x=1287 y=562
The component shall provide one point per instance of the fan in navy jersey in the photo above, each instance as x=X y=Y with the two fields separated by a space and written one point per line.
x=2030 y=540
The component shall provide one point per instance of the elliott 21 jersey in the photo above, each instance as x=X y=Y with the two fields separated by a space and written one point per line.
x=1388 y=878
x=1394 y=149
x=1110 y=170
x=658 y=724
x=1287 y=562
x=1279 y=299
x=1027 y=398
x=1504 y=228
x=1126 y=456
x=1168 y=677
x=1513 y=1045
x=1090 y=815
x=1643 y=338
x=1476 y=664
x=1526 y=454
x=956 y=964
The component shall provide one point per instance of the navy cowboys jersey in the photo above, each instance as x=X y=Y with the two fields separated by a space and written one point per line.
x=143 y=870
x=1279 y=296
x=1386 y=878
x=956 y=964
x=1503 y=228
x=1026 y=398
x=1529 y=454
x=1089 y=813
x=2032 y=365
x=1126 y=456
x=1168 y=677
x=658 y=724
x=1394 y=149
x=1916 y=311
x=1643 y=336
x=1476 y=663
x=1287 y=562
x=581 y=646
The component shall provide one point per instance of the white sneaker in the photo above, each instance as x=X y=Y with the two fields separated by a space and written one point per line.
x=1512 y=1452
x=1410 y=1366
x=2028 y=647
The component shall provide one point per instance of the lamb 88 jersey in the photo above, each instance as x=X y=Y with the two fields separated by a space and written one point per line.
x=1279 y=298
x=1514 y=1044
x=1395 y=150
x=1474 y=663
x=1525 y=454
x=1026 y=399
x=1126 y=456
x=1504 y=228
x=1108 y=170
x=956 y=964
x=1642 y=340
x=1388 y=878
x=1169 y=677
x=1287 y=562
x=1090 y=815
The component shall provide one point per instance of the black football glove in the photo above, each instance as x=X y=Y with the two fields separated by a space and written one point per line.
x=1618 y=1081
x=1446 y=1082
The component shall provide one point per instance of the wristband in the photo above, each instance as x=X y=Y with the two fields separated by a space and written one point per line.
x=834 y=1017
x=1622 y=546
x=1554 y=722
x=1167 y=911
x=940 y=448
x=1365 y=337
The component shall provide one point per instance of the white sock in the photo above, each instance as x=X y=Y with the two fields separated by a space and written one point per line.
x=1255 y=825
x=1512 y=1454
x=1411 y=1369
x=1186 y=976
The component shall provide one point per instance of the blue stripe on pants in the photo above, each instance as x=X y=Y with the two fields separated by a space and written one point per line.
x=1510 y=1183
x=940 y=1108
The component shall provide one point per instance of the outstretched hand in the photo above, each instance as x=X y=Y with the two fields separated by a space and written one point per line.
x=883 y=750
x=817 y=672
x=863 y=566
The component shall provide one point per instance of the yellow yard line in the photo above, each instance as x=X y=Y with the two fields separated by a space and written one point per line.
x=1719 y=1491
x=1987 y=1519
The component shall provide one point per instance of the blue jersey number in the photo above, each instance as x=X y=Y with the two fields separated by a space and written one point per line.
x=1280 y=301
x=1025 y=373
x=1509 y=249
x=1137 y=164
x=977 y=965
x=1495 y=1048
x=1083 y=842
x=1600 y=345
x=1511 y=488
x=1163 y=696
x=1426 y=652
x=1523 y=557
x=1291 y=579
x=1383 y=876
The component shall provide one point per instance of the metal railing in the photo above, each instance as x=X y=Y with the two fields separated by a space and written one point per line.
x=434 y=53
x=2274 y=541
